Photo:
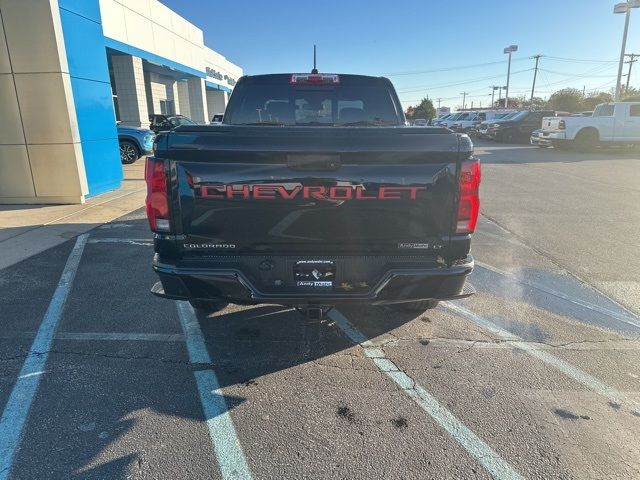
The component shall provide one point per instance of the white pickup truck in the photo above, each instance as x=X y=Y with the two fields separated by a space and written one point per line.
x=611 y=124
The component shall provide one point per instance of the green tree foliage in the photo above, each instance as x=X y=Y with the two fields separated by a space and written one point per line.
x=566 y=100
x=537 y=104
x=424 y=109
x=590 y=102
x=631 y=95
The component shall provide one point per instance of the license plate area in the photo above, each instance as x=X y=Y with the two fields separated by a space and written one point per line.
x=314 y=273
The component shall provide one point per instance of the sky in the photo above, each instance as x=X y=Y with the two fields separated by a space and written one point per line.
x=421 y=45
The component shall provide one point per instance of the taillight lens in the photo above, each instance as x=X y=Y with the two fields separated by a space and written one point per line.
x=469 y=203
x=157 y=201
x=561 y=125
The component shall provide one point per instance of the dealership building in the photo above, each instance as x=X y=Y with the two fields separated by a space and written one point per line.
x=71 y=69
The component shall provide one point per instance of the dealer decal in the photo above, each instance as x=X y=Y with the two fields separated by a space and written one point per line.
x=316 y=192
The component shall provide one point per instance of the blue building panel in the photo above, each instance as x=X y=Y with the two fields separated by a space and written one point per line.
x=94 y=109
x=89 y=71
x=103 y=173
x=85 y=8
x=84 y=43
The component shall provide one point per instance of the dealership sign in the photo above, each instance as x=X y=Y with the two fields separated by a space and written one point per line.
x=219 y=76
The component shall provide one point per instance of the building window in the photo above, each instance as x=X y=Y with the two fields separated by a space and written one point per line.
x=167 y=107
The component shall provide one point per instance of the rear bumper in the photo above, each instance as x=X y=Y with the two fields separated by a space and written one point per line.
x=554 y=135
x=396 y=285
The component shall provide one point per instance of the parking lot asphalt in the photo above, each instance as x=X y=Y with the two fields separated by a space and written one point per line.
x=536 y=376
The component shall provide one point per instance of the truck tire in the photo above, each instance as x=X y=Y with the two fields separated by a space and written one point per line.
x=207 y=307
x=586 y=140
x=419 y=305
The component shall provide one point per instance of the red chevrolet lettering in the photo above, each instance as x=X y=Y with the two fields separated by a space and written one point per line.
x=314 y=192
x=264 y=192
x=244 y=192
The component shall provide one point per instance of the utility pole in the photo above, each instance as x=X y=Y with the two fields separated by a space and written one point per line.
x=535 y=74
x=633 y=58
x=438 y=102
x=584 y=90
x=464 y=98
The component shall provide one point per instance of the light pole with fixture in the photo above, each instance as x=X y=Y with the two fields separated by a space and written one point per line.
x=510 y=49
x=625 y=8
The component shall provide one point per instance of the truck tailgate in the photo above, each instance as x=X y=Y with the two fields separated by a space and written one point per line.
x=314 y=190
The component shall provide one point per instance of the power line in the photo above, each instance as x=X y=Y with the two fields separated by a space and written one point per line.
x=445 y=85
x=445 y=69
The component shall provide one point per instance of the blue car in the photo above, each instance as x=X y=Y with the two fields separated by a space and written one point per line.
x=134 y=143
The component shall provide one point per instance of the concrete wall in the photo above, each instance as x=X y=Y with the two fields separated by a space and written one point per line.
x=41 y=158
x=153 y=27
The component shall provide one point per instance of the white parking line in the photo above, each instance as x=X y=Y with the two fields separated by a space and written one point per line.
x=627 y=317
x=578 y=375
x=17 y=408
x=473 y=444
x=226 y=445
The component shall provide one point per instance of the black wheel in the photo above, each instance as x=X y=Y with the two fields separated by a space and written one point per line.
x=586 y=140
x=129 y=152
x=419 y=305
x=207 y=306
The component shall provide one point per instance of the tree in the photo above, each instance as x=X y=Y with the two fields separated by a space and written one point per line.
x=566 y=100
x=631 y=95
x=537 y=104
x=590 y=102
x=513 y=103
x=424 y=109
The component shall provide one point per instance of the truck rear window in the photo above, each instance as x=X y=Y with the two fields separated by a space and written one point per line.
x=277 y=102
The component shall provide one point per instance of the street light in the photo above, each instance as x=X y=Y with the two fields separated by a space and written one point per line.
x=510 y=49
x=625 y=8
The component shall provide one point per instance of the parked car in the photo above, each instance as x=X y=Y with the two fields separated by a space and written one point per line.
x=517 y=128
x=134 y=143
x=436 y=121
x=333 y=203
x=164 y=123
x=483 y=128
x=611 y=124
x=420 y=122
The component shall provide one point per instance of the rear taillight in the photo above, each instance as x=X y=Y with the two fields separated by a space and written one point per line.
x=561 y=125
x=469 y=203
x=157 y=201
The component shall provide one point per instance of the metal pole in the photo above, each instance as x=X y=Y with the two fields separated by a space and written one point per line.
x=499 y=96
x=493 y=92
x=506 y=93
x=624 y=44
x=464 y=97
x=535 y=74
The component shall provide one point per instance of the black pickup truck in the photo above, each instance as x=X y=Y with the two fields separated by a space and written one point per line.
x=313 y=192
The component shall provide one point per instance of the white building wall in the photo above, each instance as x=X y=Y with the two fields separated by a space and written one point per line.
x=161 y=88
x=130 y=88
x=151 y=26
x=216 y=102
x=183 y=98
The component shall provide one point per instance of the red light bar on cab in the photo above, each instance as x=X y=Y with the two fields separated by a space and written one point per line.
x=314 y=79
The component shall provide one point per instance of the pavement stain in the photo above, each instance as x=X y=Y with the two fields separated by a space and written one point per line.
x=346 y=413
x=400 y=423
x=567 y=415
